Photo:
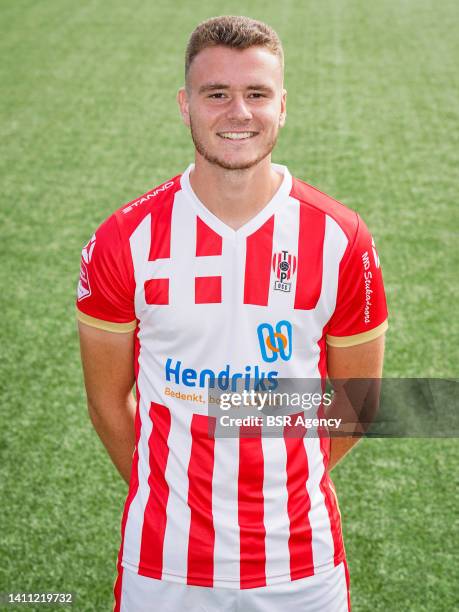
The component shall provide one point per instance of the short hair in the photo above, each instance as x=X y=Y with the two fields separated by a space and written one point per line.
x=236 y=32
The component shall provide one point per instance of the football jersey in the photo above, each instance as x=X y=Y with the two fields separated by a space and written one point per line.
x=210 y=306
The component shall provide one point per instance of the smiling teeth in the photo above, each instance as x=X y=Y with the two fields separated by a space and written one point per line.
x=236 y=135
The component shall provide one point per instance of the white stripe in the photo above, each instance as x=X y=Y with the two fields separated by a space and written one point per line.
x=322 y=540
x=335 y=243
x=175 y=552
x=285 y=238
x=183 y=251
x=225 y=511
x=275 y=507
x=135 y=518
x=140 y=250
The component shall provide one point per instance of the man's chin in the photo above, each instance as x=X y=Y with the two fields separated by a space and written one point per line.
x=236 y=164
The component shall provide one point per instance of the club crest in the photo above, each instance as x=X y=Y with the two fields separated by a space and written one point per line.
x=284 y=267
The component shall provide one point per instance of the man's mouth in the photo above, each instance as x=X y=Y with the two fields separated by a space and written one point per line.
x=237 y=135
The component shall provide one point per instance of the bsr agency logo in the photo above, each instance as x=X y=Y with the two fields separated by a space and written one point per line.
x=275 y=342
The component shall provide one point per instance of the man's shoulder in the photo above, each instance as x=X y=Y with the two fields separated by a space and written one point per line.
x=130 y=214
x=310 y=196
x=117 y=228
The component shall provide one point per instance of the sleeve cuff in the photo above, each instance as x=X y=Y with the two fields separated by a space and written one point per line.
x=343 y=341
x=119 y=328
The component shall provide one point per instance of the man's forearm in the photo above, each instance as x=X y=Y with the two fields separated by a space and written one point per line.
x=338 y=448
x=355 y=402
x=115 y=427
x=342 y=444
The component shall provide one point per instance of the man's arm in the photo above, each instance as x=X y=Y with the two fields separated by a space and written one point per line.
x=361 y=361
x=108 y=366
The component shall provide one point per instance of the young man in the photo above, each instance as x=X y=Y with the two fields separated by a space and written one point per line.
x=230 y=271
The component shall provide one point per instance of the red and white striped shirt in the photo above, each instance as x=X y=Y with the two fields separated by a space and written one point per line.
x=201 y=509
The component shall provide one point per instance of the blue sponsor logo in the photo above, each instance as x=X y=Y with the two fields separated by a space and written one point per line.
x=275 y=342
x=226 y=380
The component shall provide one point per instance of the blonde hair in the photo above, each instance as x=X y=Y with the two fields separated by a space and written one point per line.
x=236 y=32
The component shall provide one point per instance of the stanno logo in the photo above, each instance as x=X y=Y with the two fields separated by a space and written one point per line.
x=284 y=267
x=275 y=342
x=147 y=197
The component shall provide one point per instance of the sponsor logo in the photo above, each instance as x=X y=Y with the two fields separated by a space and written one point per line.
x=88 y=249
x=367 y=278
x=147 y=197
x=284 y=267
x=275 y=342
x=252 y=377
x=84 y=288
x=196 y=398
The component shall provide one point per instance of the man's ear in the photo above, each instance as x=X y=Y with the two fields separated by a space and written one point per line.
x=283 y=113
x=182 y=100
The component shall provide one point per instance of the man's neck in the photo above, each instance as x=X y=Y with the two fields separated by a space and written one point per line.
x=234 y=196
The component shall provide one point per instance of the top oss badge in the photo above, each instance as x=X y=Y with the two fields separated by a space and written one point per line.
x=284 y=267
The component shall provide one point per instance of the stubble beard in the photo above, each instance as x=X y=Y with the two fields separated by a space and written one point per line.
x=218 y=161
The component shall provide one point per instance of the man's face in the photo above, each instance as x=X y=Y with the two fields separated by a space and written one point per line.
x=234 y=104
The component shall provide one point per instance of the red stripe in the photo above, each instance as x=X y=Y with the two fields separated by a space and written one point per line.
x=202 y=533
x=161 y=218
x=154 y=522
x=310 y=255
x=133 y=483
x=276 y=259
x=117 y=588
x=298 y=504
x=348 y=584
x=208 y=242
x=251 y=508
x=258 y=265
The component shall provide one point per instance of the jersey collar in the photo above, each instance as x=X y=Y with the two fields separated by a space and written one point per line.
x=279 y=198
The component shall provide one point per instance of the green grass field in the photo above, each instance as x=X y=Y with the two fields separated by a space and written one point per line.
x=88 y=121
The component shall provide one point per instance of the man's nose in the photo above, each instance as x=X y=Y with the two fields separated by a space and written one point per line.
x=239 y=109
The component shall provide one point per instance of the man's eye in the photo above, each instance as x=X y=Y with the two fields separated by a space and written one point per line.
x=217 y=95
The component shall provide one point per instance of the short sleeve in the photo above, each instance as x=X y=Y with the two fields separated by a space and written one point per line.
x=361 y=311
x=105 y=294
